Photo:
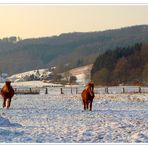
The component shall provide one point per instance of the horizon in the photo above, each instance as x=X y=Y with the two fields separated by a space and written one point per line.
x=35 y=21
x=74 y=32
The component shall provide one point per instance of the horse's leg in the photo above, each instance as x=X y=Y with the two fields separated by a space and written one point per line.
x=84 y=104
x=4 y=102
x=8 y=103
x=90 y=105
x=87 y=104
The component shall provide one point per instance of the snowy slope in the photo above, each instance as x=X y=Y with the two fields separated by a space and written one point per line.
x=56 y=118
x=82 y=73
x=25 y=76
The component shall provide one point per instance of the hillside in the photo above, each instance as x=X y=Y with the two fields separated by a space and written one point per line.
x=33 y=75
x=82 y=75
x=72 y=49
x=122 y=66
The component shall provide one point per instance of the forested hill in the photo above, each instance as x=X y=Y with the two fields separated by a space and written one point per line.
x=122 y=66
x=70 y=49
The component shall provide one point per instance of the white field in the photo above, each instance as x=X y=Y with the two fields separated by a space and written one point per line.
x=32 y=84
x=55 y=118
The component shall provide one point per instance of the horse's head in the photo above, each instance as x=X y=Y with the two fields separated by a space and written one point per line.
x=8 y=83
x=91 y=86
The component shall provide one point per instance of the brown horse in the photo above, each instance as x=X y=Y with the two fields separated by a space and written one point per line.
x=88 y=96
x=7 y=93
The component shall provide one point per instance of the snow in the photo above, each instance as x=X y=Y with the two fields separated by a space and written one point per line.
x=20 y=77
x=82 y=73
x=55 y=118
x=32 y=84
x=81 y=78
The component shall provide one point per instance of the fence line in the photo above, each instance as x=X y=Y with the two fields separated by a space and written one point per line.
x=107 y=90
x=27 y=91
x=78 y=90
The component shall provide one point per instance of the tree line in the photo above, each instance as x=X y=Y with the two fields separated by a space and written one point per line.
x=122 y=66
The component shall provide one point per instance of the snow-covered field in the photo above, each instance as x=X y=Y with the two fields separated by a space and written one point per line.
x=32 y=84
x=55 y=118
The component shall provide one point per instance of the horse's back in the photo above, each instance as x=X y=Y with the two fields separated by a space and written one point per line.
x=85 y=94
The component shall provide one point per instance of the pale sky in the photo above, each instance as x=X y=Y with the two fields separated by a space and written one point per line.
x=29 y=21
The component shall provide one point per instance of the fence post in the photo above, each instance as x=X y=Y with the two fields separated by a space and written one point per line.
x=123 y=90
x=76 y=90
x=106 y=90
x=61 y=91
x=139 y=89
x=71 y=90
x=46 y=91
x=30 y=90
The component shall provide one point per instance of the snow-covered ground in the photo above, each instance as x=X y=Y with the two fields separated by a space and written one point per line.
x=32 y=84
x=55 y=118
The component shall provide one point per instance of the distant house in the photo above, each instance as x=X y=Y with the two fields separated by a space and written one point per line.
x=2 y=80
x=4 y=75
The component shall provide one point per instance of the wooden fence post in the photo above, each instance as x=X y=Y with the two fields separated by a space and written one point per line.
x=61 y=91
x=71 y=90
x=46 y=91
x=76 y=90
x=123 y=90
x=139 y=89
x=106 y=90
